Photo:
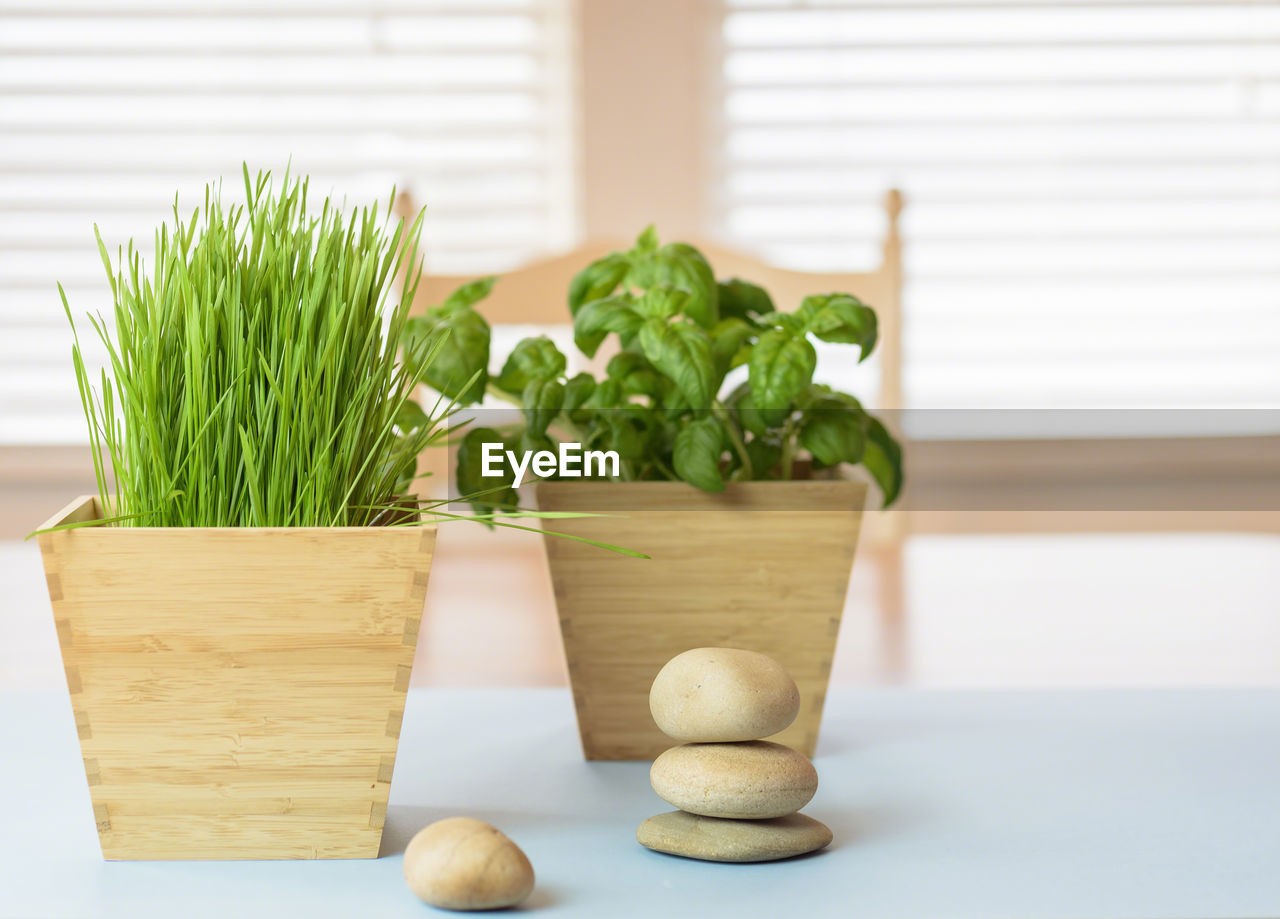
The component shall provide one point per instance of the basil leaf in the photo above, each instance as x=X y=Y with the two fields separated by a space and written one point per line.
x=751 y=418
x=785 y=321
x=597 y=319
x=833 y=435
x=684 y=266
x=780 y=368
x=621 y=433
x=662 y=302
x=682 y=351
x=646 y=242
x=661 y=433
x=459 y=368
x=470 y=294
x=814 y=394
x=740 y=299
x=484 y=493
x=883 y=459
x=532 y=359
x=625 y=363
x=541 y=402
x=410 y=416
x=635 y=374
x=765 y=456
x=681 y=266
x=840 y=318
x=607 y=394
x=576 y=393
x=696 y=459
x=729 y=340
x=598 y=280
x=672 y=401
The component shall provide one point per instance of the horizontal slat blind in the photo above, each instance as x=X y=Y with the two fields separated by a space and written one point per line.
x=1093 y=188
x=108 y=108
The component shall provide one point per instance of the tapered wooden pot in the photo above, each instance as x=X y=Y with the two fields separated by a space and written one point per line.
x=762 y=566
x=238 y=692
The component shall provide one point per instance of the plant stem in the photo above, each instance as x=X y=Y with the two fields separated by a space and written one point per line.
x=665 y=469
x=788 y=449
x=739 y=447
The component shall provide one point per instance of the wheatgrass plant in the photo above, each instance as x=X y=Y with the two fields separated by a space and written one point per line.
x=253 y=378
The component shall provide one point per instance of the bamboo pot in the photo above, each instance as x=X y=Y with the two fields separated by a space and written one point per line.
x=762 y=566
x=238 y=692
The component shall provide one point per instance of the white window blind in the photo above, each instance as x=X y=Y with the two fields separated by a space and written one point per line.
x=108 y=108
x=1092 y=188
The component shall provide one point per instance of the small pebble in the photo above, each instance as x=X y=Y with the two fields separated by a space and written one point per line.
x=751 y=780
x=464 y=864
x=715 y=695
x=715 y=839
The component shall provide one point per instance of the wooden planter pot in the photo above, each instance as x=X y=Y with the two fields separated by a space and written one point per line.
x=762 y=566
x=237 y=692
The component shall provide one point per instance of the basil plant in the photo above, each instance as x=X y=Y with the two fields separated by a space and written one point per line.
x=661 y=404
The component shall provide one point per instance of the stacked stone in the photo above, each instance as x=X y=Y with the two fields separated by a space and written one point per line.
x=738 y=795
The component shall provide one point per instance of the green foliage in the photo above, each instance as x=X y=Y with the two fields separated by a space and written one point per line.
x=470 y=470
x=781 y=367
x=743 y=300
x=658 y=405
x=251 y=379
x=681 y=352
x=696 y=458
x=460 y=366
x=839 y=318
x=532 y=359
x=541 y=402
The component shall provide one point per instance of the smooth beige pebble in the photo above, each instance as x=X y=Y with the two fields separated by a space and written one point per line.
x=715 y=839
x=711 y=695
x=463 y=863
x=750 y=780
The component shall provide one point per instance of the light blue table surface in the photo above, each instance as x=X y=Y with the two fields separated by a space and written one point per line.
x=974 y=804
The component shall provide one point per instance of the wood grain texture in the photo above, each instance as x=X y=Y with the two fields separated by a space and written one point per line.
x=763 y=566
x=237 y=692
